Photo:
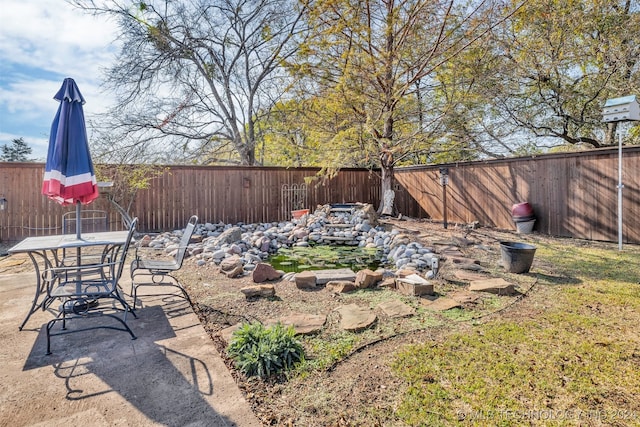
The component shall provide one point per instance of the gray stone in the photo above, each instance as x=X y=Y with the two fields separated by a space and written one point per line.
x=231 y=235
x=325 y=276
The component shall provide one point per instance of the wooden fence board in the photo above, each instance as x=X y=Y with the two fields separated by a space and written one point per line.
x=573 y=194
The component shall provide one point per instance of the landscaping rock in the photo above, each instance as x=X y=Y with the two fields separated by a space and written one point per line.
x=395 y=308
x=463 y=260
x=354 y=318
x=325 y=276
x=303 y=323
x=259 y=291
x=229 y=236
x=340 y=286
x=356 y=225
x=464 y=297
x=230 y=263
x=227 y=333
x=238 y=271
x=414 y=285
x=264 y=272
x=495 y=286
x=145 y=241
x=441 y=304
x=367 y=278
x=306 y=280
x=468 y=276
x=389 y=283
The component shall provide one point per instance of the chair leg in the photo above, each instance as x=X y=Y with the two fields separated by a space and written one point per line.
x=125 y=305
x=49 y=326
x=173 y=282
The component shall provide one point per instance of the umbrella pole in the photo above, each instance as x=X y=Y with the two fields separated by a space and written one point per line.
x=78 y=222
x=78 y=231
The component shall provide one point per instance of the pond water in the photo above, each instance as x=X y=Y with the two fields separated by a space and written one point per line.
x=323 y=257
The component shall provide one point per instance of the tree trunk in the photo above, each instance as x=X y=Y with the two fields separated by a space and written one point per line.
x=386 y=184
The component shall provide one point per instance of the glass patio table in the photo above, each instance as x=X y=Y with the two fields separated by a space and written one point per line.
x=45 y=254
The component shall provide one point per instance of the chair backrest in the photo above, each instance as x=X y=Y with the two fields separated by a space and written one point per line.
x=184 y=241
x=91 y=221
x=125 y=248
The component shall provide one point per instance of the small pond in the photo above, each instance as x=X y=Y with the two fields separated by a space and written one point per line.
x=323 y=257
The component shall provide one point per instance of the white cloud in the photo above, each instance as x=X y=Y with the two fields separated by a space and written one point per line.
x=41 y=43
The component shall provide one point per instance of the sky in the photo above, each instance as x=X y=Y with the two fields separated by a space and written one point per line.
x=41 y=43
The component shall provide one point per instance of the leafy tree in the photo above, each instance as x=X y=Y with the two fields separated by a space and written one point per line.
x=379 y=58
x=195 y=75
x=548 y=71
x=16 y=152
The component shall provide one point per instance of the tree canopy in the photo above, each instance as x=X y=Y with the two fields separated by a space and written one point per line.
x=18 y=151
x=196 y=76
x=371 y=83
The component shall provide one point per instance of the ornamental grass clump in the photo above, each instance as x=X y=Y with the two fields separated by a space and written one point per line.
x=262 y=352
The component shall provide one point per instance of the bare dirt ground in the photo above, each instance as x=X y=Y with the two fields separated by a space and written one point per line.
x=360 y=388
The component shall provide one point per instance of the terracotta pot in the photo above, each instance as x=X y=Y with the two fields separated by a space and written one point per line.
x=299 y=213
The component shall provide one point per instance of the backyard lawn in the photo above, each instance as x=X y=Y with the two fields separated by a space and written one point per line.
x=564 y=350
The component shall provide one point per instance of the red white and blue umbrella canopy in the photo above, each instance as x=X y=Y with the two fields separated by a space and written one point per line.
x=69 y=176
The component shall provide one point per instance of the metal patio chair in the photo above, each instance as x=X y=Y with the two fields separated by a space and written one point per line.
x=160 y=271
x=91 y=221
x=83 y=289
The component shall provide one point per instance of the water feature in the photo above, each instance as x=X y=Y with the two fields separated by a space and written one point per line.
x=321 y=257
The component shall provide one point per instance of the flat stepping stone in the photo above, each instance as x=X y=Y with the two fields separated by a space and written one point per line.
x=354 y=318
x=395 y=308
x=303 y=323
x=464 y=297
x=464 y=260
x=496 y=286
x=452 y=253
x=469 y=276
x=325 y=276
x=441 y=304
x=227 y=333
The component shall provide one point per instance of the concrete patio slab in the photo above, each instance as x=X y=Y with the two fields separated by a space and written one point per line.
x=170 y=375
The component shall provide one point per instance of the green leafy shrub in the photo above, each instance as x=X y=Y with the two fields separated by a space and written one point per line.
x=260 y=351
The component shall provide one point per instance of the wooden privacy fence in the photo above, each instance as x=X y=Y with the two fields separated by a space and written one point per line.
x=215 y=194
x=573 y=194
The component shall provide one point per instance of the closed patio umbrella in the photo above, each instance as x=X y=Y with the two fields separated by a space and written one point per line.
x=69 y=176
